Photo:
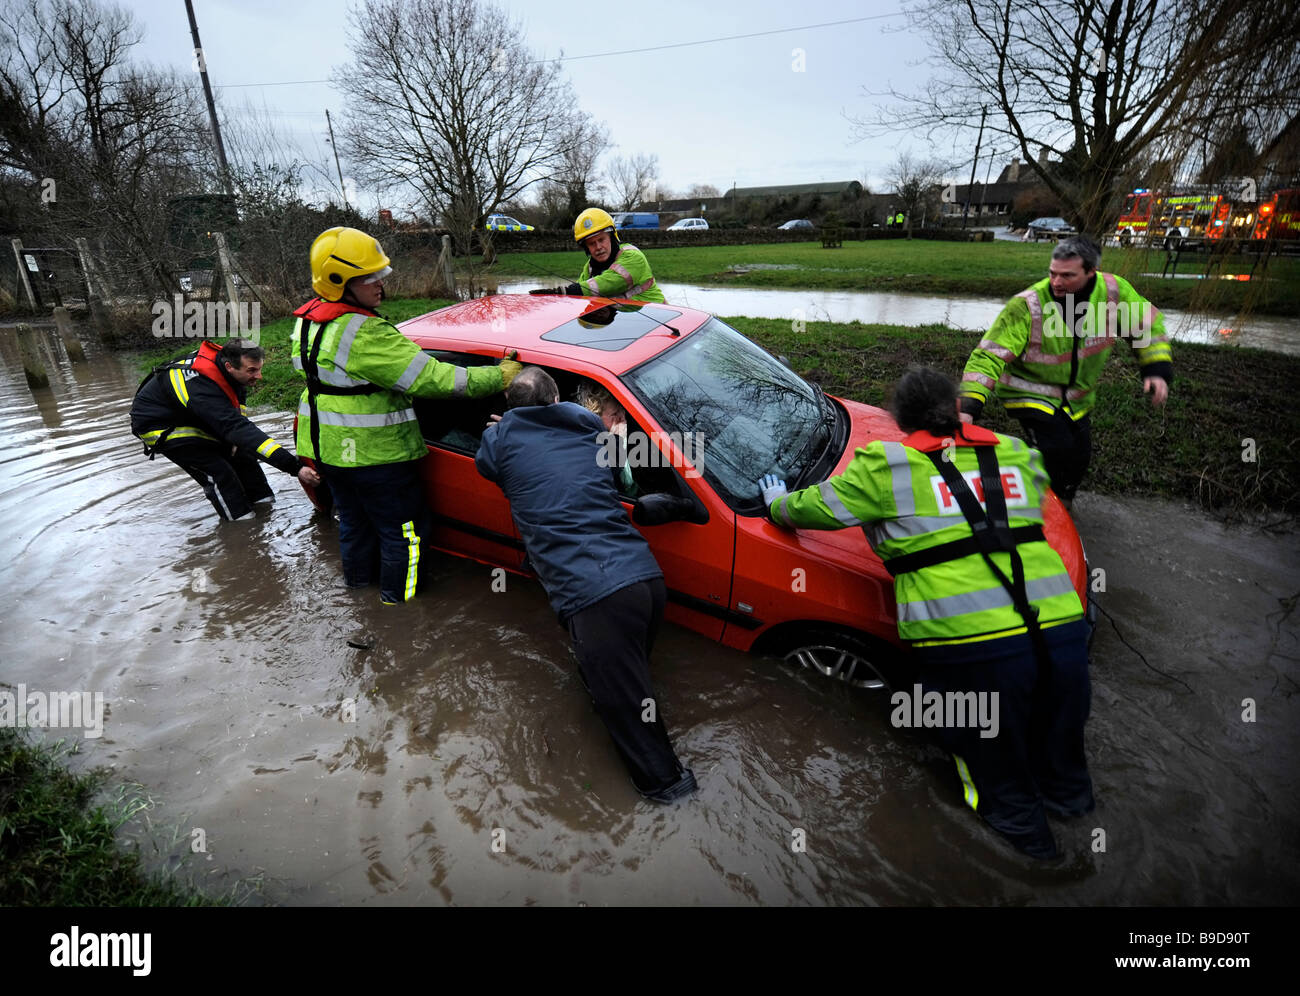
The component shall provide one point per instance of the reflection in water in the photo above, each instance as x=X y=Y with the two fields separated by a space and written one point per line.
x=458 y=761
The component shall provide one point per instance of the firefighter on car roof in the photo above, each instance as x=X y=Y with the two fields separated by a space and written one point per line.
x=613 y=269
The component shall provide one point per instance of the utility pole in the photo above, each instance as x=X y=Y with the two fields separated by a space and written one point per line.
x=342 y=189
x=970 y=187
x=201 y=64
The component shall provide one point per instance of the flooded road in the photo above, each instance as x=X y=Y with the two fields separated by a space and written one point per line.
x=969 y=313
x=457 y=761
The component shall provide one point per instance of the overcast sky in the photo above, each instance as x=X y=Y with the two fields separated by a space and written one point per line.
x=748 y=111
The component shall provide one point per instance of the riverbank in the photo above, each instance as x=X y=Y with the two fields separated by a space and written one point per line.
x=995 y=269
x=58 y=844
x=1223 y=407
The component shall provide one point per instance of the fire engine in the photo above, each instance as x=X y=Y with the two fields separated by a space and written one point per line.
x=1150 y=215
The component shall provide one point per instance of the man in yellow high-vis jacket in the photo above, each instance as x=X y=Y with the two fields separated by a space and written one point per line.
x=1045 y=353
x=955 y=513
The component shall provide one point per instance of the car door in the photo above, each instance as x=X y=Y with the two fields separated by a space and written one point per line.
x=471 y=516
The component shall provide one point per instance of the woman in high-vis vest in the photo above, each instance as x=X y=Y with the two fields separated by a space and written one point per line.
x=955 y=513
x=356 y=417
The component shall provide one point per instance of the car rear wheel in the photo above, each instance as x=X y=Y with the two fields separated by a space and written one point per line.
x=840 y=656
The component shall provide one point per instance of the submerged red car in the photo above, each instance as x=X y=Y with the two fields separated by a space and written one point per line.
x=709 y=413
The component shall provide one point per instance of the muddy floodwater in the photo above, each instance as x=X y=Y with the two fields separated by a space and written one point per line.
x=965 y=313
x=457 y=760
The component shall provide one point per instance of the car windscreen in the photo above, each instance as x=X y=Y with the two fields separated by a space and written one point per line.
x=748 y=415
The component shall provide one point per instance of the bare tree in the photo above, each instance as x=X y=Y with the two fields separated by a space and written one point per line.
x=1103 y=84
x=631 y=179
x=913 y=180
x=444 y=99
x=699 y=190
x=118 y=142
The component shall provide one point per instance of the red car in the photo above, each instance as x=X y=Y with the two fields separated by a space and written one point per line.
x=708 y=413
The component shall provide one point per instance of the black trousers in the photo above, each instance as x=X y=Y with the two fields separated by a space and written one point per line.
x=1035 y=763
x=613 y=640
x=1066 y=446
x=231 y=483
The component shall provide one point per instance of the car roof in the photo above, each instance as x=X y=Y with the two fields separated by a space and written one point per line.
x=548 y=324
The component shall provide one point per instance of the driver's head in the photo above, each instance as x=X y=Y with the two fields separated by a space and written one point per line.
x=924 y=399
x=533 y=386
x=596 y=399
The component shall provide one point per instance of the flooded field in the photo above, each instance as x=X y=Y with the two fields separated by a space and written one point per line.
x=457 y=760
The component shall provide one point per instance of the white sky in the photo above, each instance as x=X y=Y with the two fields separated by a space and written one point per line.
x=729 y=111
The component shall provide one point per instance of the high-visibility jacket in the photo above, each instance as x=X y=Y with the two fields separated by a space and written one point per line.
x=369 y=372
x=894 y=492
x=1034 y=359
x=191 y=399
x=628 y=276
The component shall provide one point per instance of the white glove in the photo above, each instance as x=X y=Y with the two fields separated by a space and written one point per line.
x=772 y=488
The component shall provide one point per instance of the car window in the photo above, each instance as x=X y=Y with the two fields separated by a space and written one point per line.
x=457 y=423
x=753 y=415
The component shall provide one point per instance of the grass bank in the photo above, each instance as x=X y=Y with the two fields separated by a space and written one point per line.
x=58 y=845
x=982 y=269
x=1191 y=450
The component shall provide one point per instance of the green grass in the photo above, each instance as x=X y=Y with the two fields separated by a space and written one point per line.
x=58 y=845
x=988 y=269
x=1191 y=449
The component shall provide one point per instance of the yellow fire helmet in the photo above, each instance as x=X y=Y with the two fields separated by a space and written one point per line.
x=591 y=222
x=338 y=255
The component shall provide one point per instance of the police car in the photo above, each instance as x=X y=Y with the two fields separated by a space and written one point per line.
x=505 y=223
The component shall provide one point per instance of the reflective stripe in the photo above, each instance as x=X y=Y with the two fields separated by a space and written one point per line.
x=412 y=559
x=993 y=349
x=593 y=287
x=901 y=472
x=1035 y=317
x=979 y=378
x=413 y=370
x=458 y=384
x=345 y=341
x=375 y=421
x=967 y=602
x=641 y=288
x=969 y=792
x=1020 y=384
x=622 y=272
x=183 y=432
x=178 y=385
x=335 y=378
x=832 y=500
x=785 y=515
x=267 y=448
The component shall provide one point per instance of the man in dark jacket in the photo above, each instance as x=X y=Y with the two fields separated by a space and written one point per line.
x=598 y=571
x=192 y=412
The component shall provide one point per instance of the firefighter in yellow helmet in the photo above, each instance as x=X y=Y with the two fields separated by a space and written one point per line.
x=613 y=269
x=356 y=417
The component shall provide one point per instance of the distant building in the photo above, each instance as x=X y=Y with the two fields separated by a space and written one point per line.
x=992 y=202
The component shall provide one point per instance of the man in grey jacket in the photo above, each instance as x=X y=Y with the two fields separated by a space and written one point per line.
x=598 y=571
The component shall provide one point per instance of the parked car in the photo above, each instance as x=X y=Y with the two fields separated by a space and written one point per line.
x=689 y=224
x=1048 y=228
x=796 y=224
x=505 y=223
x=708 y=412
x=635 y=219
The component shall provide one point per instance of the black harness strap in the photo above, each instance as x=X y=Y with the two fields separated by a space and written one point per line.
x=151 y=451
x=993 y=534
x=955 y=550
x=315 y=386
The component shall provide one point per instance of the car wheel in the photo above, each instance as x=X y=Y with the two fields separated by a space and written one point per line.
x=841 y=656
